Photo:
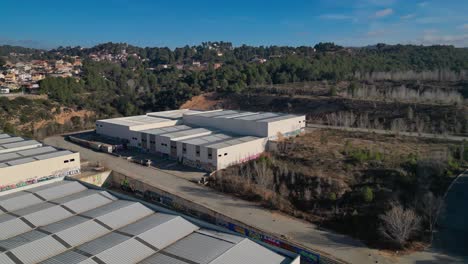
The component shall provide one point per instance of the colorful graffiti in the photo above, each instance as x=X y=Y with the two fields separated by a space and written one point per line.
x=162 y=200
x=25 y=183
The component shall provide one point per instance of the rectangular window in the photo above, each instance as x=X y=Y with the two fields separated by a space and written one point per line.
x=184 y=148
x=72 y=160
x=197 y=151
x=225 y=154
x=65 y=161
x=210 y=153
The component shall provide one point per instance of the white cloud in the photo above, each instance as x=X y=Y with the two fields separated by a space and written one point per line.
x=383 y=13
x=335 y=17
x=408 y=16
x=465 y=26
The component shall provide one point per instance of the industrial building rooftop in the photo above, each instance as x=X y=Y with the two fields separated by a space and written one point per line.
x=164 y=130
x=30 y=155
x=174 y=114
x=135 y=120
x=65 y=222
x=248 y=116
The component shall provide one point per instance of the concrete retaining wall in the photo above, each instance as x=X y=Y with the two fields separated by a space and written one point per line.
x=162 y=198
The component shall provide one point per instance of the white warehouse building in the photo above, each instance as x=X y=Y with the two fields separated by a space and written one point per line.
x=210 y=140
x=24 y=162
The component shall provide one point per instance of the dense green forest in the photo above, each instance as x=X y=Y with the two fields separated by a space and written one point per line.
x=140 y=84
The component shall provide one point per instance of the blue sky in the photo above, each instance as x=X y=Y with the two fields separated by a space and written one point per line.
x=174 y=23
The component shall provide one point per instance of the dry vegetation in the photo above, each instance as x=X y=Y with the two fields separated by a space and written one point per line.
x=345 y=180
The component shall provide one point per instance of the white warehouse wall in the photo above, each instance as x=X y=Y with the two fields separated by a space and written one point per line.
x=240 y=153
x=40 y=168
x=288 y=127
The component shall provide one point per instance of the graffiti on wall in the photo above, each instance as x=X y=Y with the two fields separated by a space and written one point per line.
x=130 y=185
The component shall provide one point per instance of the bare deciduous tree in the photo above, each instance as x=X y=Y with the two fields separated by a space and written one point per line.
x=430 y=205
x=398 y=224
x=264 y=174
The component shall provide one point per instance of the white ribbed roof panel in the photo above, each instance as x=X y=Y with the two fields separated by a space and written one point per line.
x=82 y=233
x=248 y=252
x=107 y=208
x=64 y=224
x=88 y=261
x=159 y=258
x=36 y=151
x=69 y=257
x=61 y=190
x=4 y=136
x=9 y=156
x=125 y=215
x=12 y=228
x=4 y=259
x=146 y=223
x=168 y=232
x=103 y=243
x=129 y=251
x=33 y=208
x=21 y=239
x=20 y=202
x=87 y=203
x=53 y=155
x=38 y=250
x=199 y=248
x=47 y=216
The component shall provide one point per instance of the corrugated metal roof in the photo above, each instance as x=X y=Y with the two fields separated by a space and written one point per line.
x=20 y=161
x=12 y=228
x=47 y=216
x=223 y=236
x=61 y=190
x=159 y=258
x=248 y=252
x=33 y=208
x=18 y=202
x=74 y=196
x=36 y=151
x=162 y=130
x=82 y=233
x=53 y=155
x=199 y=248
x=65 y=238
x=10 y=139
x=38 y=250
x=88 y=261
x=21 y=239
x=4 y=259
x=5 y=217
x=168 y=232
x=68 y=257
x=87 y=203
x=4 y=136
x=129 y=251
x=107 y=208
x=21 y=144
x=103 y=243
x=125 y=215
x=146 y=223
x=64 y=224
x=9 y=156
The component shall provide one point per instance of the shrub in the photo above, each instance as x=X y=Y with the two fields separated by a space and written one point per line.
x=367 y=194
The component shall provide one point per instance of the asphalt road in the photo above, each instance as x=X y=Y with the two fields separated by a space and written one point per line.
x=452 y=231
x=176 y=180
